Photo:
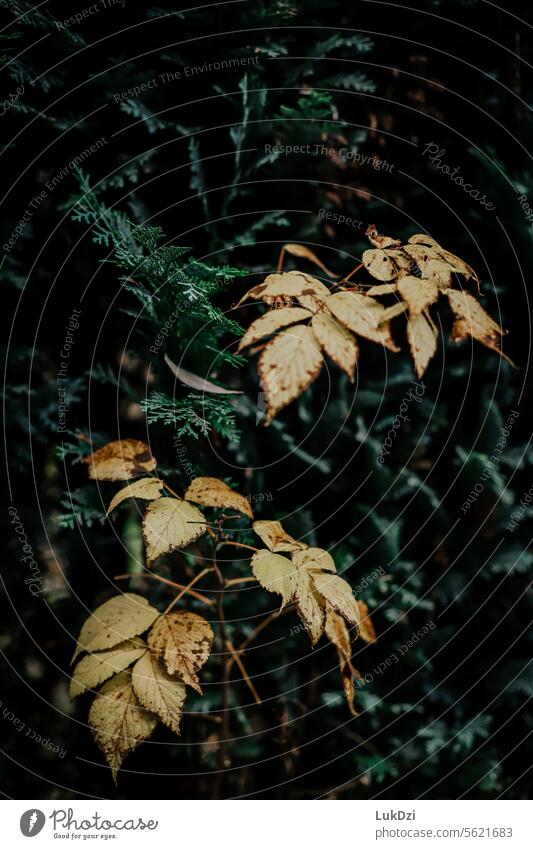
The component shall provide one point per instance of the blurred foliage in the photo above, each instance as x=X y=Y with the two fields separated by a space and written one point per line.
x=126 y=182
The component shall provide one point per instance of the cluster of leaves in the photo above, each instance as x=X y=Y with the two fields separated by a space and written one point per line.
x=421 y=271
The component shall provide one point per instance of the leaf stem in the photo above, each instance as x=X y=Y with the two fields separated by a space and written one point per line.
x=240 y=664
x=237 y=545
x=199 y=596
x=186 y=589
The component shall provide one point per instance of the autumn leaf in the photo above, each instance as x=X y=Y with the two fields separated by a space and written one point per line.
x=287 y=366
x=337 y=632
x=472 y=320
x=452 y=261
x=183 y=642
x=337 y=341
x=194 y=381
x=378 y=240
x=147 y=488
x=118 y=722
x=121 y=618
x=366 y=627
x=310 y=604
x=338 y=593
x=363 y=315
x=157 y=691
x=94 y=669
x=120 y=460
x=422 y=336
x=386 y=264
x=417 y=293
x=168 y=524
x=314 y=558
x=272 y=321
x=289 y=284
x=275 y=573
x=275 y=537
x=306 y=253
x=212 y=492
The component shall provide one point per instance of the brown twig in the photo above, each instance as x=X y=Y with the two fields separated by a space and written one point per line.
x=208 y=716
x=261 y=627
x=169 y=583
x=233 y=581
x=237 y=545
x=280 y=260
x=244 y=673
x=186 y=589
x=354 y=271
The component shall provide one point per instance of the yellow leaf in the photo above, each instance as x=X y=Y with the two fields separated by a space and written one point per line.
x=417 y=293
x=314 y=558
x=422 y=337
x=158 y=692
x=453 y=261
x=183 y=641
x=212 y=492
x=366 y=627
x=289 y=284
x=393 y=311
x=118 y=722
x=310 y=605
x=270 y=322
x=339 y=343
x=122 y=617
x=472 y=320
x=338 y=593
x=146 y=488
x=275 y=538
x=363 y=315
x=94 y=669
x=386 y=264
x=306 y=253
x=287 y=366
x=275 y=573
x=430 y=264
x=382 y=289
x=170 y=523
x=337 y=632
x=120 y=460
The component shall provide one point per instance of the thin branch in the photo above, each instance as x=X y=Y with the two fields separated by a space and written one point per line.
x=237 y=545
x=261 y=627
x=244 y=673
x=186 y=589
x=280 y=260
x=233 y=581
x=169 y=583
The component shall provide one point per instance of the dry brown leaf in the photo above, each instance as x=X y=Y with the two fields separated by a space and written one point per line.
x=454 y=262
x=275 y=538
x=382 y=289
x=94 y=669
x=168 y=524
x=310 y=604
x=158 y=692
x=183 y=641
x=270 y=322
x=118 y=722
x=337 y=632
x=391 y=312
x=386 y=264
x=339 y=343
x=275 y=573
x=417 y=293
x=472 y=320
x=288 y=284
x=314 y=558
x=338 y=593
x=287 y=366
x=362 y=315
x=306 y=253
x=366 y=627
x=212 y=492
x=146 y=488
x=121 y=618
x=194 y=381
x=422 y=337
x=380 y=241
x=120 y=460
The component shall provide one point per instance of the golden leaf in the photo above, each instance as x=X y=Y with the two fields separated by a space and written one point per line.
x=94 y=669
x=275 y=538
x=158 y=692
x=275 y=573
x=454 y=262
x=339 y=343
x=310 y=604
x=287 y=366
x=118 y=722
x=314 y=558
x=122 y=617
x=120 y=460
x=183 y=641
x=146 y=488
x=382 y=289
x=289 y=284
x=338 y=593
x=417 y=293
x=272 y=321
x=430 y=264
x=212 y=492
x=472 y=320
x=306 y=253
x=337 y=632
x=366 y=627
x=363 y=315
x=379 y=241
x=170 y=523
x=422 y=336
x=386 y=264
x=391 y=312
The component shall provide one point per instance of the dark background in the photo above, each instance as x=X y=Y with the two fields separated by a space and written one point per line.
x=449 y=720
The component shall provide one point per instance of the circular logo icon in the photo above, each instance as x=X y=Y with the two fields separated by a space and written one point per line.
x=32 y=822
